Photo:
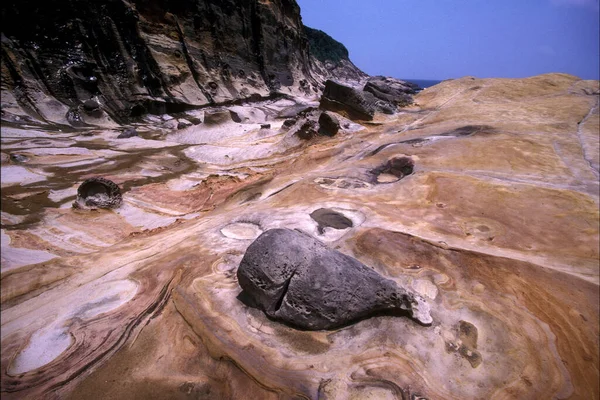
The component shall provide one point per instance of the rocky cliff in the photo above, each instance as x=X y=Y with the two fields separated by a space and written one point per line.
x=74 y=62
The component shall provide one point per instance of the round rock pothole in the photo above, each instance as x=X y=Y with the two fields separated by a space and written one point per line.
x=96 y=193
x=327 y=218
x=394 y=169
x=241 y=231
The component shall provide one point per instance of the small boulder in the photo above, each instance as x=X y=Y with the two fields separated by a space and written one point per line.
x=96 y=193
x=329 y=125
x=127 y=133
x=299 y=281
x=352 y=103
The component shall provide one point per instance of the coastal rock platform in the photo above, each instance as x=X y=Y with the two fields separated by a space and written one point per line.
x=496 y=225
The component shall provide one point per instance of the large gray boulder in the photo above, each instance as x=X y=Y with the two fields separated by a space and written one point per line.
x=299 y=281
x=349 y=102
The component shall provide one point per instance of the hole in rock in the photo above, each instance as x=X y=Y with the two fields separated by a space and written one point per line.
x=241 y=231
x=98 y=193
x=394 y=170
x=330 y=219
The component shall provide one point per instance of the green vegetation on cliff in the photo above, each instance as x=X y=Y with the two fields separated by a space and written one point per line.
x=323 y=47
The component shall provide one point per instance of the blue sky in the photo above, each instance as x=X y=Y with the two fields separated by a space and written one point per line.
x=440 y=39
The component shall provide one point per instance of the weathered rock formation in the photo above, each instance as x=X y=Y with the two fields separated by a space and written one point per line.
x=78 y=63
x=296 y=279
x=350 y=102
x=391 y=90
x=331 y=58
x=380 y=93
x=496 y=226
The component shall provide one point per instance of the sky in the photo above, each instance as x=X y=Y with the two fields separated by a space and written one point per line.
x=441 y=39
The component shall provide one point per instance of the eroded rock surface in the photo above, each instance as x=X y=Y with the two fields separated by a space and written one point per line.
x=391 y=90
x=497 y=227
x=350 y=102
x=155 y=57
x=98 y=193
x=296 y=279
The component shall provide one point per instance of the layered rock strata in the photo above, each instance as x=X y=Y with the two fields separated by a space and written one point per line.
x=78 y=63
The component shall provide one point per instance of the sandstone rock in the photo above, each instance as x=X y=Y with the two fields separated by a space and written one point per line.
x=293 y=111
x=183 y=123
x=394 y=170
x=200 y=52
x=297 y=280
x=331 y=57
x=329 y=125
x=98 y=193
x=127 y=133
x=217 y=117
x=350 y=102
x=391 y=90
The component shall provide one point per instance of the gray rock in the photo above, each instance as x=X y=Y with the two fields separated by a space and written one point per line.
x=127 y=133
x=90 y=105
x=96 y=193
x=390 y=90
x=299 y=281
x=352 y=103
x=329 y=125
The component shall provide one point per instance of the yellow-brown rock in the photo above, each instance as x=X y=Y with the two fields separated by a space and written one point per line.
x=497 y=227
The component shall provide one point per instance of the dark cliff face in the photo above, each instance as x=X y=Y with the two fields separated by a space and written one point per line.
x=149 y=56
x=330 y=58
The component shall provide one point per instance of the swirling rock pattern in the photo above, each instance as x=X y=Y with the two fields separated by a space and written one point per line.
x=496 y=228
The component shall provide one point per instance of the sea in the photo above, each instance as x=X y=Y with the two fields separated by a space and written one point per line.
x=423 y=83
